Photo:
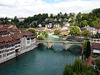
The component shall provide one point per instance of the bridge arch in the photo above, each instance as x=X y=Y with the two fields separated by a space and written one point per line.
x=70 y=45
x=75 y=48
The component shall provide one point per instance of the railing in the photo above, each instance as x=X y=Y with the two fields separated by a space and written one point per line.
x=68 y=42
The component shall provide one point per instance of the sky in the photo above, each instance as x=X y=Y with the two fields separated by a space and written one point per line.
x=25 y=8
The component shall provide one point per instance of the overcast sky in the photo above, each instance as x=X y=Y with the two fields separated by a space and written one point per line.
x=25 y=8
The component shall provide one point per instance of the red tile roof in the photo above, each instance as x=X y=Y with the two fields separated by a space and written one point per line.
x=89 y=61
x=12 y=38
x=98 y=26
x=27 y=33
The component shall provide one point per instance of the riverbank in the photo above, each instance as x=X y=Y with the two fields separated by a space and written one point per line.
x=15 y=54
x=56 y=36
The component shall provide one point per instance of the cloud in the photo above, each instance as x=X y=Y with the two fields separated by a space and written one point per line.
x=57 y=0
x=25 y=8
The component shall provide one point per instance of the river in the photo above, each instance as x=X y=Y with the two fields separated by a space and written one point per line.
x=40 y=61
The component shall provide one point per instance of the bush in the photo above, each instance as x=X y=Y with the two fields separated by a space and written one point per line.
x=45 y=33
x=32 y=31
x=57 y=32
x=62 y=36
x=41 y=37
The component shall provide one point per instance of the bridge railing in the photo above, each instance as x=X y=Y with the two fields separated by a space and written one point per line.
x=68 y=42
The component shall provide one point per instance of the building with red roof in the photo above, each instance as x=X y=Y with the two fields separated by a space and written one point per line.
x=91 y=29
x=14 y=42
x=89 y=61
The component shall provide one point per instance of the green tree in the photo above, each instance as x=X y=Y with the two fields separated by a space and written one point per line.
x=72 y=20
x=93 y=23
x=71 y=24
x=78 y=17
x=41 y=37
x=15 y=19
x=45 y=33
x=32 y=31
x=57 y=32
x=74 y=30
x=68 y=70
x=78 y=68
x=97 y=63
x=84 y=23
x=86 y=33
x=86 y=48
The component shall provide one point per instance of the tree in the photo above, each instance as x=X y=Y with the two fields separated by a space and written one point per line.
x=78 y=68
x=72 y=20
x=32 y=31
x=78 y=17
x=74 y=30
x=97 y=63
x=41 y=37
x=86 y=48
x=15 y=19
x=86 y=33
x=71 y=24
x=84 y=23
x=45 y=33
x=57 y=32
x=68 y=70
x=93 y=23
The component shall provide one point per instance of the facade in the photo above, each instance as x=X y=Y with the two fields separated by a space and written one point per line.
x=48 y=25
x=14 y=42
x=91 y=29
x=56 y=25
x=66 y=26
x=40 y=25
x=96 y=45
x=21 y=19
x=96 y=48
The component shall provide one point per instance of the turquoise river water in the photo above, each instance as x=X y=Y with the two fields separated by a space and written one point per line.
x=40 y=61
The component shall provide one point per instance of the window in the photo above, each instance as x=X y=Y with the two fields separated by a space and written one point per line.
x=27 y=38
x=0 y=56
x=4 y=55
x=0 y=52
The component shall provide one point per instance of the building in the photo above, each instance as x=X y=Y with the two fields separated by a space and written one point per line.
x=89 y=61
x=48 y=25
x=21 y=19
x=96 y=47
x=66 y=26
x=56 y=25
x=64 y=33
x=91 y=29
x=98 y=27
x=39 y=30
x=14 y=42
x=40 y=25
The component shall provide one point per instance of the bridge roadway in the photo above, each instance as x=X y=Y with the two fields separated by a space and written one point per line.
x=65 y=44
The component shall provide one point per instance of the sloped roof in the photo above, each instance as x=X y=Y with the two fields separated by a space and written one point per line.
x=98 y=26
x=88 y=61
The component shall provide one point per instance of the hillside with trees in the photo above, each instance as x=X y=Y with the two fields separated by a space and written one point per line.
x=81 y=20
x=90 y=19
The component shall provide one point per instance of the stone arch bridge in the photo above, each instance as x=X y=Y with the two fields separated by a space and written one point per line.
x=66 y=44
